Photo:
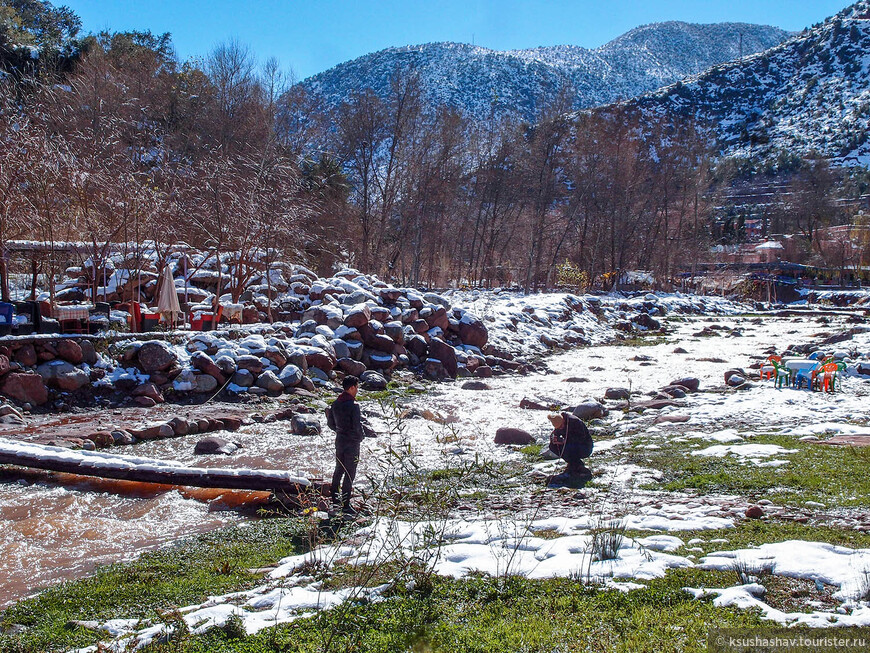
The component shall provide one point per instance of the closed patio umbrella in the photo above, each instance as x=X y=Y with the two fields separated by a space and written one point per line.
x=167 y=297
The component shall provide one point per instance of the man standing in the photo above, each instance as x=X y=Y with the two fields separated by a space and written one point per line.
x=571 y=441
x=346 y=421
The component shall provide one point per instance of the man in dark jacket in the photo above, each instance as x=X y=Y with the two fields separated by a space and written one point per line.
x=571 y=441
x=349 y=433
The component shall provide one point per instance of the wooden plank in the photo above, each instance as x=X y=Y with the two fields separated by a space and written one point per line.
x=103 y=465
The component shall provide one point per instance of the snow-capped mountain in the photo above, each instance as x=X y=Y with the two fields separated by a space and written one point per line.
x=484 y=82
x=808 y=94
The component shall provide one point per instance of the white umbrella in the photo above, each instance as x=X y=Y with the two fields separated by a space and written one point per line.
x=167 y=297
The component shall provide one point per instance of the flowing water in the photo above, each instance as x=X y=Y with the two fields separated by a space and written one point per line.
x=54 y=527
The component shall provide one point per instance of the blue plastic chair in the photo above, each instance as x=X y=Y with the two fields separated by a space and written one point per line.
x=807 y=376
x=7 y=311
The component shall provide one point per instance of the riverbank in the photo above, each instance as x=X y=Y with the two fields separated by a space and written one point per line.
x=654 y=472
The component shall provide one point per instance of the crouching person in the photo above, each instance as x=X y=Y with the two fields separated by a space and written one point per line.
x=571 y=441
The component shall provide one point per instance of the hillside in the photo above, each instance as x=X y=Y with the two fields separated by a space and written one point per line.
x=810 y=93
x=481 y=81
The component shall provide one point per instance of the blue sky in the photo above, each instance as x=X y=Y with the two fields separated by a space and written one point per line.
x=313 y=35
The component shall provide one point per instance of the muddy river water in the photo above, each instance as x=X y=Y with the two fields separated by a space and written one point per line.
x=55 y=527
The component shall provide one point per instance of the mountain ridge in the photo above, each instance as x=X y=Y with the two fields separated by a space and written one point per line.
x=482 y=82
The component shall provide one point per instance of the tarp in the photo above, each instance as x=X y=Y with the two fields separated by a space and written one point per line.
x=167 y=297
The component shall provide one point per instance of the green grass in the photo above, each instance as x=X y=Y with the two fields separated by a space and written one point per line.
x=186 y=573
x=488 y=615
x=835 y=476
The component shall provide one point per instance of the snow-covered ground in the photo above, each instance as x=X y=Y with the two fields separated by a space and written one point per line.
x=449 y=426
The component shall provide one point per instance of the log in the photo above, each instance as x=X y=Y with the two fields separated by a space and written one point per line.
x=146 y=470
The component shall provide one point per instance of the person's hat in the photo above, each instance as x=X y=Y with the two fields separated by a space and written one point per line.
x=556 y=419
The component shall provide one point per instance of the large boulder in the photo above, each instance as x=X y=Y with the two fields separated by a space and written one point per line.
x=214 y=444
x=63 y=376
x=25 y=355
x=690 y=383
x=417 y=346
x=70 y=351
x=269 y=381
x=89 y=354
x=156 y=356
x=590 y=410
x=304 y=425
x=350 y=366
x=25 y=387
x=441 y=351
x=371 y=380
x=249 y=362
x=472 y=331
x=290 y=376
x=205 y=383
x=513 y=436
x=149 y=390
x=616 y=393
x=203 y=362
x=358 y=316
x=243 y=379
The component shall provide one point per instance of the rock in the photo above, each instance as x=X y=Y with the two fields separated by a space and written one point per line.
x=472 y=331
x=155 y=356
x=690 y=383
x=7 y=409
x=144 y=402
x=576 y=379
x=617 y=393
x=675 y=391
x=203 y=362
x=25 y=356
x=531 y=404
x=680 y=350
x=70 y=351
x=483 y=372
x=319 y=359
x=508 y=435
x=434 y=369
x=290 y=376
x=102 y=439
x=644 y=320
x=250 y=363
x=205 y=383
x=358 y=316
x=305 y=384
x=229 y=423
x=441 y=351
x=5 y=364
x=154 y=432
x=475 y=385
x=315 y=373
x=304 y=425
x=754 y=512
x=548 y=341
x=180 y=426
x=735 y=381
x=122 y=437
x=89 y=354
x=589 y=410
x=243 y=378
x=215 y=445
x=416 y=344
x=149 y=390
x=350 y=366
x=371 y=380
x=63 y=376
x=674 y=419
x=395 y=332
x=270 y=382
x=226 y=365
